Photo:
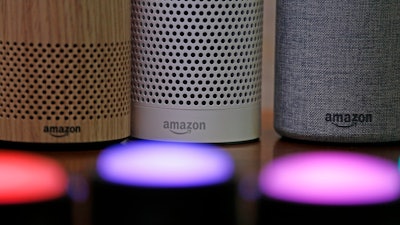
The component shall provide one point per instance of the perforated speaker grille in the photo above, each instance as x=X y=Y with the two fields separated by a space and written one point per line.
x=197 y=54
x=64 y=81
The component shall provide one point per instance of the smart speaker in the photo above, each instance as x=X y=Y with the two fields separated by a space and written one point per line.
x=333 y=187
x=64 y=71
x=33 y=190
x=164 y=183
x=196 y=70
x=337 y=70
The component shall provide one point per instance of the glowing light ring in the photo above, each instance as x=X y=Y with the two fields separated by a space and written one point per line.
x=331 y=178
x=27 y=177
x=165 y=164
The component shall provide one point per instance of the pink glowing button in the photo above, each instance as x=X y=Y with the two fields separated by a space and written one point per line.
x=165 y=164
x=331 y=178
x=27 y=177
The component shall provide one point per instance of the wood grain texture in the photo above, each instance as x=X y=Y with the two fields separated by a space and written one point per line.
x=65 y=70
x=72 y=21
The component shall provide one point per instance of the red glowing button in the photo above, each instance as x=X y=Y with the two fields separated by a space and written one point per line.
x=27 y=177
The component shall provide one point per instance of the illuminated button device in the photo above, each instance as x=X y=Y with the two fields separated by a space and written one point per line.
x=33 y=190
x=338 y=187
x=164 y=183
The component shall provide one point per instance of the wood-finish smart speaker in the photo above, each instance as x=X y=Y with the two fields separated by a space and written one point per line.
x=338 y=70
x=197 y=70
x=64 y=70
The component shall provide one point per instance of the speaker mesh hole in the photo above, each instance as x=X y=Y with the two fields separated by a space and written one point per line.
x=64 y=81
x=197 y=53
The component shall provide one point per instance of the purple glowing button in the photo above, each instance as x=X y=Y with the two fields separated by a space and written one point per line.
x=165 y=164
x=331 y=178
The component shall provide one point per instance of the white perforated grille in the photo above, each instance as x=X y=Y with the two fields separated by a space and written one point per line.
x=197 y=53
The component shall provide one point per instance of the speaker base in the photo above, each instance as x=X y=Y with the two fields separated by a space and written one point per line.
x=337 y=137
x=203 y=126
x=58 y=147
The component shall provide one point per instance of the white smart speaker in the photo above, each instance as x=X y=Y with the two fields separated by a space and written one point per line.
x=196 y=70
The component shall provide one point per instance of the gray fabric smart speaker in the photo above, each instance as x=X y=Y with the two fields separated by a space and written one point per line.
x=338 y=70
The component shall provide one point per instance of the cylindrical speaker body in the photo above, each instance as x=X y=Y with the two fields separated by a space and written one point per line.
x=338 y=70
x=65 y=70
x=163 y=183
x=197 y=70
x=34 y=190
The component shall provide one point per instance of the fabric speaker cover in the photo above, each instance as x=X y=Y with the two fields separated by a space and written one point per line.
x=338 y=70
